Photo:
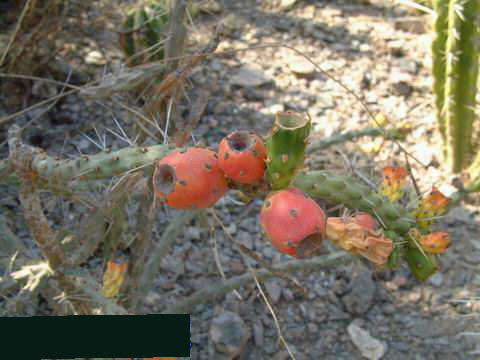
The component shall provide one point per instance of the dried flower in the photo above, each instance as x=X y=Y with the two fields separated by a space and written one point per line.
x=359 y=239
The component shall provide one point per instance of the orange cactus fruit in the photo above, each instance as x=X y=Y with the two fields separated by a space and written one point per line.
x=436 y=242
x=189 y=179
x=394 y=181
x=288 y=217
x=113 y=278
x=242 y=156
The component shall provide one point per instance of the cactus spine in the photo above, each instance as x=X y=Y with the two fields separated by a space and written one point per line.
x=286 y=148
x=455 y=69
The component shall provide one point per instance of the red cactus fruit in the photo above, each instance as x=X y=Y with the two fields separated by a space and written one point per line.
x=366 y=220
x=189 y=179
x=242 y=157
x=288 y=217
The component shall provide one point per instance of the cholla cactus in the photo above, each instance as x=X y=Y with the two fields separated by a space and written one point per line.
x=286 y=148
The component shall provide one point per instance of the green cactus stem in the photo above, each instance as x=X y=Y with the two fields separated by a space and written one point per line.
x=461 y=80
x=52 y=172
x=126 y=38
x=345 y=190
x=439 y=61
x=286 y=148
x=99 y=166
x=421 y=264
x=144 y=30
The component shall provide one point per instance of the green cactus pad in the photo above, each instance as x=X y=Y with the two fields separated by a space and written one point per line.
x=345 y=190
x=286 y=148
x=421 y=265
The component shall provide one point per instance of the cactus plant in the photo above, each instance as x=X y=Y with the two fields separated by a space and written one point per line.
x=455 y=70
x=342 y=189
x=286 y=148
x=144 y=31
x=288 y=217
x=189 y=179
x=242 y=157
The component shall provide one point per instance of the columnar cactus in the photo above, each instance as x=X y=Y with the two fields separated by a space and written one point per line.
x=455 y=69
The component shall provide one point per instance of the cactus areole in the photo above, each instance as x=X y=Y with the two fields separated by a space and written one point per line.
x=189 y=179
x=288 y=217
x=242 y=156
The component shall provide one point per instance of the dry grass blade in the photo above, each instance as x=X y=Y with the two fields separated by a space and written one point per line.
x=26 y=7
x=216 y=256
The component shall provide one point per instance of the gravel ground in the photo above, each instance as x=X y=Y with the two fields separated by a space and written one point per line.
x=381 y=52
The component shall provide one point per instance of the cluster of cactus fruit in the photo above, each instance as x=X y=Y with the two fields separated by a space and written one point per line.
x=386 y=225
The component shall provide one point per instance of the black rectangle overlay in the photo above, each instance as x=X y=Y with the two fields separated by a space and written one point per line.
x=95 y=336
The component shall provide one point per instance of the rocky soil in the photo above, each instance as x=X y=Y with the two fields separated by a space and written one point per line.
x=381 y=52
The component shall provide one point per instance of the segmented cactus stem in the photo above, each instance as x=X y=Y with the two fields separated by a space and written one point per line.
x=99 y=166
x=341 y=189
x=286 y=148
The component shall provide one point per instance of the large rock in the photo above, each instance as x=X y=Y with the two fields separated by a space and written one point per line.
x=249 y=75
x=229 y=334
x=369 y=347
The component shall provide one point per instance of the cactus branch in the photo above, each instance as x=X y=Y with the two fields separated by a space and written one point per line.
x=53 y=172
x=286 y=147
x=169 y=235
x=339 y=189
